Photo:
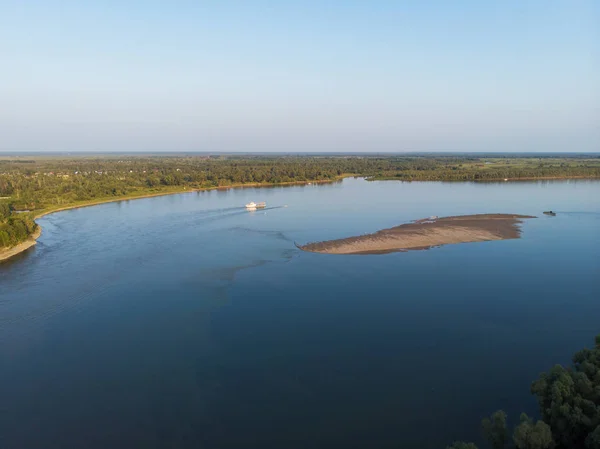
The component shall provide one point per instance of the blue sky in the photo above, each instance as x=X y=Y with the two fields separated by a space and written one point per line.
x=511 y=75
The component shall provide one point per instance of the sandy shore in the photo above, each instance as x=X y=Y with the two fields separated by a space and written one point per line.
x=426 y=233
x=13 y=251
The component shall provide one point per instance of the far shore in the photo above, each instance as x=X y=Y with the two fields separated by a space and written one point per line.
x=483 y=181
x=426 y=233
x=8 y=253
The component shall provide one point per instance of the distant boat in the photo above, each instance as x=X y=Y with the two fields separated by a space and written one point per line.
x=252 y=205
x=549 y=212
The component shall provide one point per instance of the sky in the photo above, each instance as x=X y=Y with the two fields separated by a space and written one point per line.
x=306 y=75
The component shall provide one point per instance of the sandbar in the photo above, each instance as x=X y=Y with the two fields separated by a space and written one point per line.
x=426 y=233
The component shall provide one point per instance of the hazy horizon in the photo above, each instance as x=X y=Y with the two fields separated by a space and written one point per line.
x=16 y=153
x=308 y=77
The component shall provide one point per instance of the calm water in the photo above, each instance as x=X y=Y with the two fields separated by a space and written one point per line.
x=187 y=322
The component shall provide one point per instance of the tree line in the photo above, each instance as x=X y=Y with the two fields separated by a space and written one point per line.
x=457 y=173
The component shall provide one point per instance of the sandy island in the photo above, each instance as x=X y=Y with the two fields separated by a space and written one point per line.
x=425 y=234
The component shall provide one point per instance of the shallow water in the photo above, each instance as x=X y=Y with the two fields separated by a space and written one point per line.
x=187 y=321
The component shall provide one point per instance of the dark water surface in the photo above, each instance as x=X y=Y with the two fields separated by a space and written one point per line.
x=187 y=322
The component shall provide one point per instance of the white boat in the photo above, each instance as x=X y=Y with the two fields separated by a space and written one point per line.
x=252 y=205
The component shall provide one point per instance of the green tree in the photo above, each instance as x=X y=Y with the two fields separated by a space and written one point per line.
x=593 y=439
x=4 y=210
x=569 y=398
x=530 y=435
x=494 y=430
x=461 y=445
x=4 y=238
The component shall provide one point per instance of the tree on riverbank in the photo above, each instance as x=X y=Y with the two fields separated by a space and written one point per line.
x=569 y=400
x=14 y=228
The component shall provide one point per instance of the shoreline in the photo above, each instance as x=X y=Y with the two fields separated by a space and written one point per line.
x=540 y=178
x=8 y=253
x=21 y=247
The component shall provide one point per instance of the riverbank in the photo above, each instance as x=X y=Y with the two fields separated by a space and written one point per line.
x=531 y=178
x=425 y=234
x=8 y=253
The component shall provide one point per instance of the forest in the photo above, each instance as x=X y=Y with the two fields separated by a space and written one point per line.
x=31 y=185
x=569 y=405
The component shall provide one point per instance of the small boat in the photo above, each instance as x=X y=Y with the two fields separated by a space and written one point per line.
x=252 y=205
x=549 y=212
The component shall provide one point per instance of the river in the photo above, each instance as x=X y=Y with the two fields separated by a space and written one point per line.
x=186 y=321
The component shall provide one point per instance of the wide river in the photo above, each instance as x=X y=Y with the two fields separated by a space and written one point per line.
x=185 y=321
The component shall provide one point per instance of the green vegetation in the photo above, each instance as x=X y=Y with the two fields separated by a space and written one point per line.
x=34 y=185
x=490 y=169
x=14 y=228
x=569 y=400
